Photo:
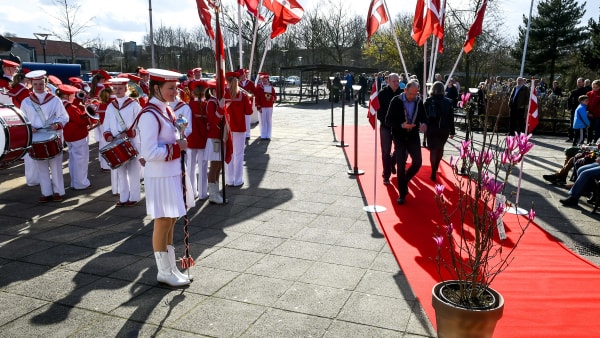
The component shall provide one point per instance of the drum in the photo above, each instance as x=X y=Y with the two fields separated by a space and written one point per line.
x=118 y=152
x=16 y=135
x=45 y=144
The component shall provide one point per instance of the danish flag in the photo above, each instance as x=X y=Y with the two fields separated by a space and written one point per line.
x=376 y=17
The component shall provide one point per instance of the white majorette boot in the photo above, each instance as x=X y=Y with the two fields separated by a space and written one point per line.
x=173 y=262
x=214 y=196
x=165 y=275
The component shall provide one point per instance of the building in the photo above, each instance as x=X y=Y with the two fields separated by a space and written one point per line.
x=48 y=51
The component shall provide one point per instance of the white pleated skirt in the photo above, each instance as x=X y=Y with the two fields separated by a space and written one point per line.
x=164 y=196
x=212 y=152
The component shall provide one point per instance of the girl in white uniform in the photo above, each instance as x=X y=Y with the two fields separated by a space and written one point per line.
x=161 y=147
x=46 y=111
x=120 y=115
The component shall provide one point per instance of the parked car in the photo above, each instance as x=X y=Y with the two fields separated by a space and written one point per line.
x=275 y=80
x=293 y=80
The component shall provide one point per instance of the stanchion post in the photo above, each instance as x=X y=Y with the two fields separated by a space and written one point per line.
x=331 y=78
x=355 y=171
x=342 y=144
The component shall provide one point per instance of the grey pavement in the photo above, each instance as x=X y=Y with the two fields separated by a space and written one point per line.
x=292 y=254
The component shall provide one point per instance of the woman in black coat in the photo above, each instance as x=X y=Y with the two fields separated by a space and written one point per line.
x=440 y=124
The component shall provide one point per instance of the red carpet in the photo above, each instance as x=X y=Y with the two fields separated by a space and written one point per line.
x=549 y=291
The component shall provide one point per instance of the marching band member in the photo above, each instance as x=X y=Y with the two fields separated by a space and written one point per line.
x=238 y=109
x=45 y=110
x=248 y=86
x=216 y=119
x=144 y=78
x=9 y=68
x=196 y=137
x=161 y=148
x=197 y=73
x=120 y=116
x=265 y=97
x=106 y=97
x=19 y=90
x=76 y=135
x=135 y=81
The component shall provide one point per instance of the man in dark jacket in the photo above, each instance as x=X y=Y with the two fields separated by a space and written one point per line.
x=406 y=117
x=517 y=105
x=385 y=97
x=573 y=102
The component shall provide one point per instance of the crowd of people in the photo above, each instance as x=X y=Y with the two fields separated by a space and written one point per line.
x=155 y=127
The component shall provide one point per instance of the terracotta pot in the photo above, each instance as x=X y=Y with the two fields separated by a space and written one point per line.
x=457 y=322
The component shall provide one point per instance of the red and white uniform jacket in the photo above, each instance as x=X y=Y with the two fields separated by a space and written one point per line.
x=50 y=107
x=120 y=115
x=239 y=106
x=197 y=129
x=18 y=93
x=158 y=135
x=265 y=96
x=248 y=86
x=77 y=127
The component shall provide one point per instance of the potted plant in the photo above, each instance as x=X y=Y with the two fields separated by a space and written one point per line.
x=471 y=240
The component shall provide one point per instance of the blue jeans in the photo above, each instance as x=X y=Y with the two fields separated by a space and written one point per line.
x=585 y=177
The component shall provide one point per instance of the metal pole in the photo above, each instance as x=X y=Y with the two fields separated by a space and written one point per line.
x=355 y=171
x=331 y=78
x=151 y=34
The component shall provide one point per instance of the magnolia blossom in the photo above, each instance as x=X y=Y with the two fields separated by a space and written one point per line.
x=439 y=189
x=531 y=214
x=464 y=149
x=438 y=240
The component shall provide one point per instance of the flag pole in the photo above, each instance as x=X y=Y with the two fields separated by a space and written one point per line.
x=516 y=210
x=374 y=207
x=395 y=37
x=240 y=48
x=254 y=39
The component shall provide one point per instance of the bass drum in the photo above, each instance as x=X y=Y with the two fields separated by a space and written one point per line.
x=15 y=137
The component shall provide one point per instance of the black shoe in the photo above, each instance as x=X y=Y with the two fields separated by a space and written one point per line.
x=569 y=202
x=550 y=178
x=393 y=168
x=591 y=200
x=400 y=200
x=569 y=140
x=433 y=178
x=561 y=181
x=386 y=181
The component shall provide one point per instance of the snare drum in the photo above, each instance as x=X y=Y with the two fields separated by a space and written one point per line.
x=16 y=135
x=118 y=152
x=45 y=145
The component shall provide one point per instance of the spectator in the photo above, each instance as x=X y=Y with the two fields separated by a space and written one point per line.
x=585 y=175
x=385 y=96
x=594 y=111
x=519 y=101
x=440 y=122
x=581 y=122
x=573 y=103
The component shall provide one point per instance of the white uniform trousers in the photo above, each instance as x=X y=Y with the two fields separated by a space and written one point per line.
x=79 y=157
x=266 y=120
x=129 y=181
x=31 y=174
x=234 y=170
x=101 y=144
x=51 y=175
x=197 y=171
x=248 y=124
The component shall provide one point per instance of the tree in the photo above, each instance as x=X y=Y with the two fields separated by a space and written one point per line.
x=69 y=22
x=554 y=36
x=590 y=53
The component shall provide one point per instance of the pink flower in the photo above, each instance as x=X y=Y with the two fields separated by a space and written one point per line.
x=438 y=240
x=439 y=189
x=531 y=214
x=464 y=149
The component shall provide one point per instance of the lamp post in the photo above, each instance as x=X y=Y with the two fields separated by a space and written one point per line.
x=344 y=83
x=121 y=52
x=355 y=171
x=177 y=56
x=331 y=78
x=42 y=37
x=380 y=45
